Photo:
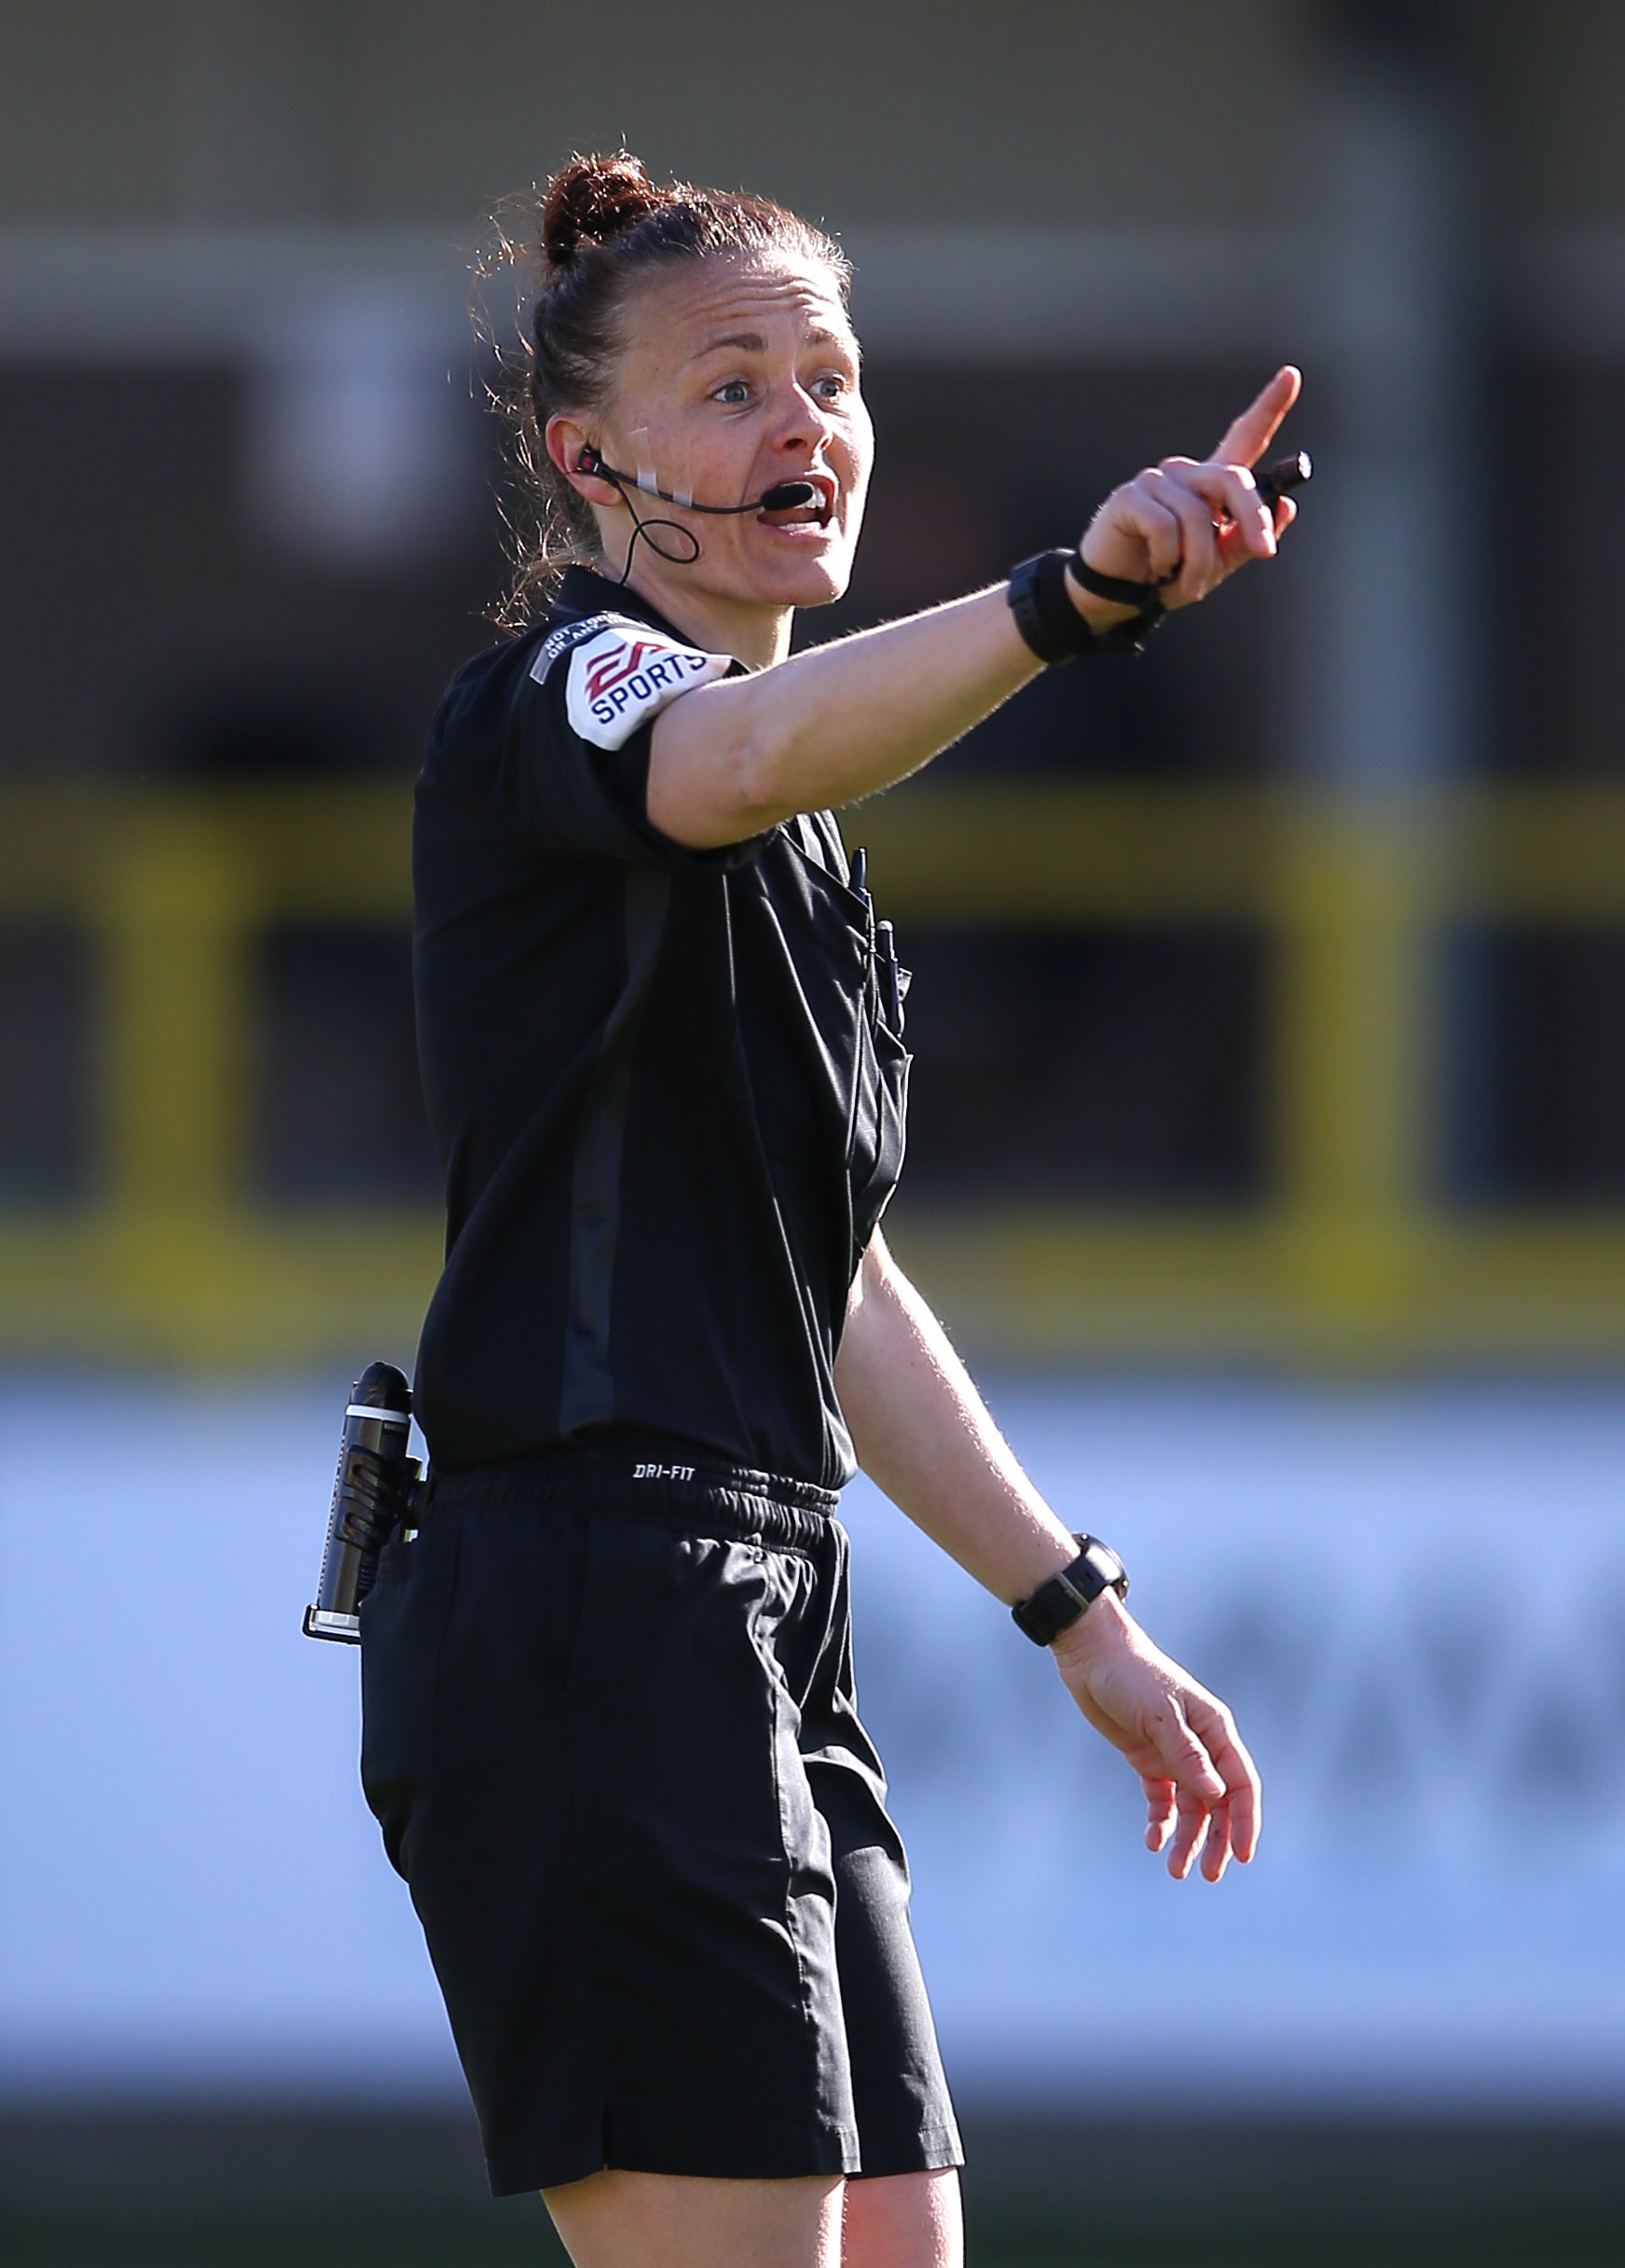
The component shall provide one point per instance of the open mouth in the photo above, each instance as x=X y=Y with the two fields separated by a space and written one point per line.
x=818 y=513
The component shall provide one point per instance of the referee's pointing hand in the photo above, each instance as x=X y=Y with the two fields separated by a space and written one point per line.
x=1197 y=522
x=1202 y=1787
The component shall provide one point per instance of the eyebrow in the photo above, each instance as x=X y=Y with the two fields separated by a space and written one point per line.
x=752 y=343
x=748 y=342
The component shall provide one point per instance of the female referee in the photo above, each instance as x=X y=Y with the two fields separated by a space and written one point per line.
x=609 y=1728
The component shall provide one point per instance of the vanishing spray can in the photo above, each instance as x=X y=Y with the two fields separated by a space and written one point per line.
x=372 y=1496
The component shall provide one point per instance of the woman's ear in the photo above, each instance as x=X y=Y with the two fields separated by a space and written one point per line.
x=568 y=443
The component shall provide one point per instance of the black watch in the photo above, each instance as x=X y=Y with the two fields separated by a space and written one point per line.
x=1052 y=625
x=1056 y=1604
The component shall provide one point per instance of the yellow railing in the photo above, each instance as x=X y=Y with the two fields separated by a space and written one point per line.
x=1349 y=1259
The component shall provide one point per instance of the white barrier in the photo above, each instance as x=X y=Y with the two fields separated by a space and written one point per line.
x=1415 y=1601
x=1416 y=1606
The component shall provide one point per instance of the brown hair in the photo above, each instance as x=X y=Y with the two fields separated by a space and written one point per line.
x=577 y=244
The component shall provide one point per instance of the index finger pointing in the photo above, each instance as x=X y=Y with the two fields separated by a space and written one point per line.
x=1248 y=436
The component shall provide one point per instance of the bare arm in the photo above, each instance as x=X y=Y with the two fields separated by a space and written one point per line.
x=833 y=724
x=827 y=727
x=924 y=1434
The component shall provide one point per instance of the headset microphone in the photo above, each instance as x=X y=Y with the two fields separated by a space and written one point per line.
x=784 y=496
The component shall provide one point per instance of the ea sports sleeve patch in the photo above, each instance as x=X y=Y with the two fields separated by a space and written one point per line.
x=625 y=674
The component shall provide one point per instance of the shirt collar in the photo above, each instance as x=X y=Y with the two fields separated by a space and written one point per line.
x=584 y=591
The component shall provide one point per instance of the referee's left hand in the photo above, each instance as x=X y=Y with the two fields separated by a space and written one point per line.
x=1202 y=1794
x=1188 y=525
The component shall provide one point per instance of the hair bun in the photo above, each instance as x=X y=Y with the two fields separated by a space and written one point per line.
x=593 y=198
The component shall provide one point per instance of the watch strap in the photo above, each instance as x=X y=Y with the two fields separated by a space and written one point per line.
x=1057 y=1603
x=1050 y=623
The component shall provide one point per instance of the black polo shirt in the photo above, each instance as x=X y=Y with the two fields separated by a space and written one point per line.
x=667 y=1087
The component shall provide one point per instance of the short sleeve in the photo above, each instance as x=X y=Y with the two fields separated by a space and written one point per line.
x=577 y=745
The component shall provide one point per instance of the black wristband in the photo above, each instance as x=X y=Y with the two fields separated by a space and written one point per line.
x=1052 y=625
x=1057 y=1604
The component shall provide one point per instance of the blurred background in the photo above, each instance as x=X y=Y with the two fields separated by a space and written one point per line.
x=1268 y=1142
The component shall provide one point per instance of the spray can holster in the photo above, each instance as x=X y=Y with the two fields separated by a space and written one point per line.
x=377 y=1492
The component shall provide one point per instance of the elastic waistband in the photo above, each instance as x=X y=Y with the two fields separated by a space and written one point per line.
x=729 y=1500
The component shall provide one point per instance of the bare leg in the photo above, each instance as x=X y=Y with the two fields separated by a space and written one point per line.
x=904 y=2220
x=677 y=2220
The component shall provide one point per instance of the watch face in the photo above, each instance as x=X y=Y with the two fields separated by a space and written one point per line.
x=1102 y=1569
x=1057 y=1603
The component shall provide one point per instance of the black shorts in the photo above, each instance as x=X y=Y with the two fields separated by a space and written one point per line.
x=610 y=1732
